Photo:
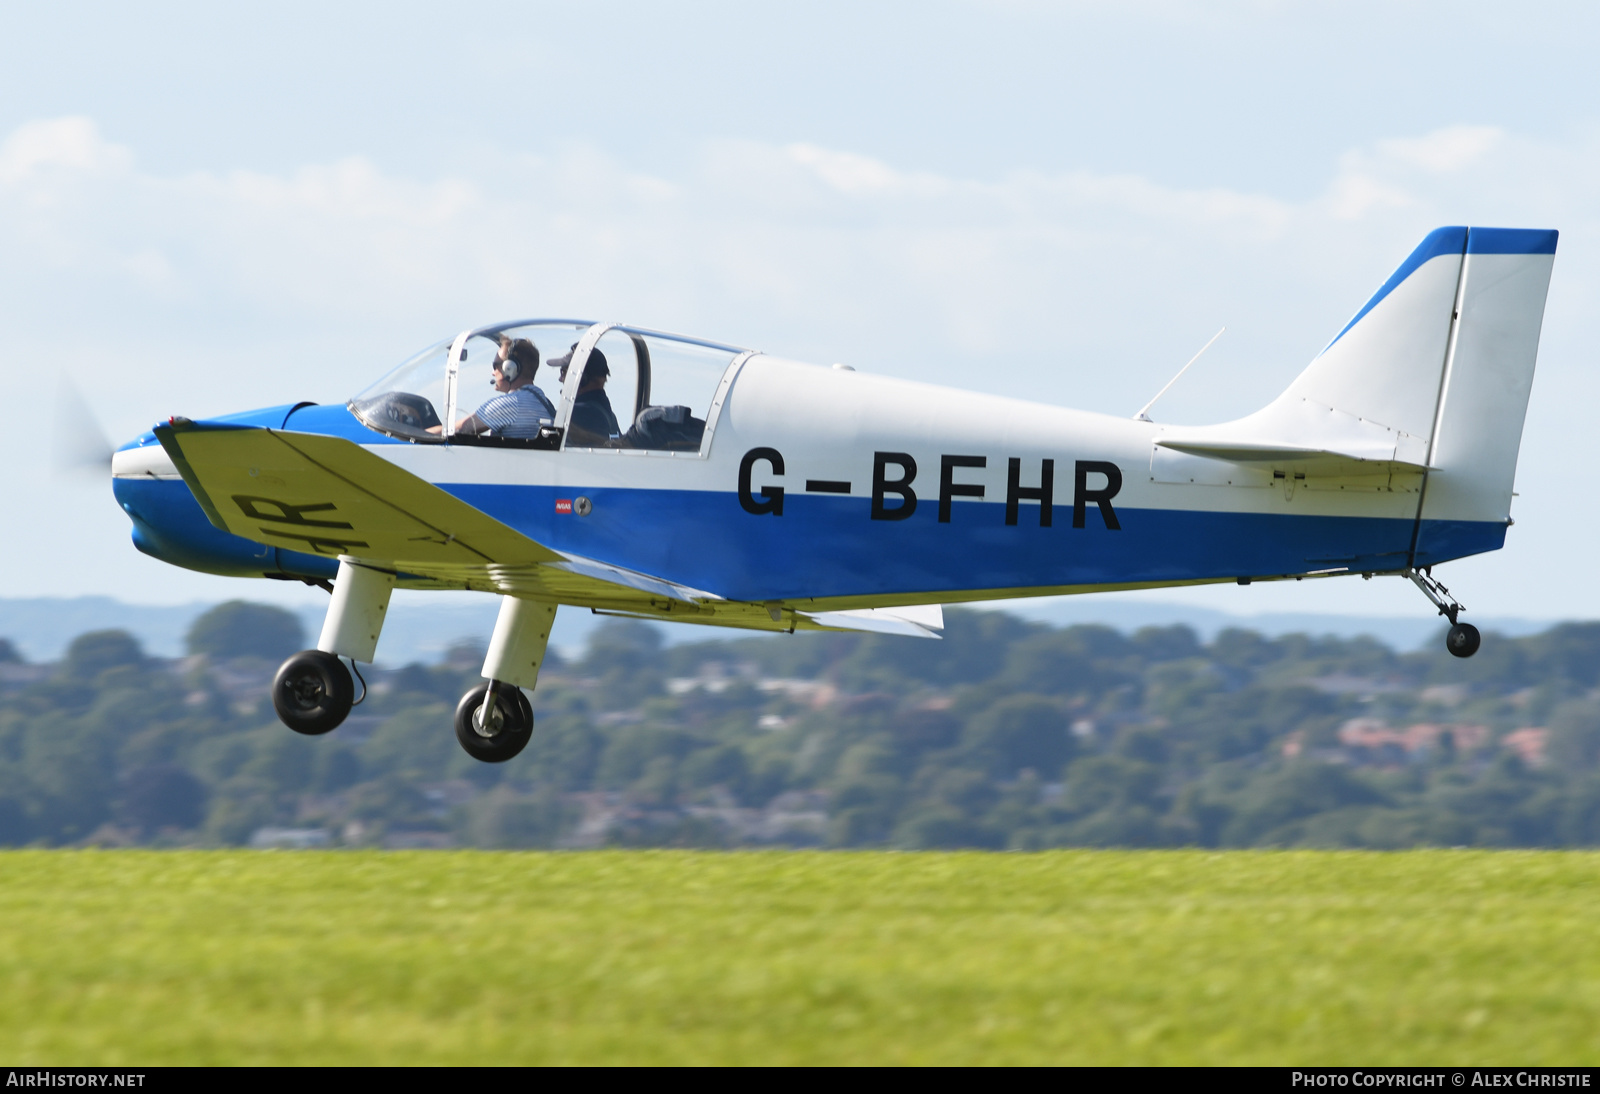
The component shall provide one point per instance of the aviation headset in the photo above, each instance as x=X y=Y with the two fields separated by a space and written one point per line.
x=510 y=367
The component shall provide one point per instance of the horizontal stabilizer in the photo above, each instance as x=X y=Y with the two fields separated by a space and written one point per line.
x=1266 y=452
x=1302 y=435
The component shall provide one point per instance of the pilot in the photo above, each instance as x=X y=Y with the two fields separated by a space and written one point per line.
x=593 y=420
x=520 y=408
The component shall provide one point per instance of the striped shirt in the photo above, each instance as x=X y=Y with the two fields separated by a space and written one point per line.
x=517 y=413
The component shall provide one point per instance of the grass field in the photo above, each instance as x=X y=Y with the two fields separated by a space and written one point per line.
x=128 y=957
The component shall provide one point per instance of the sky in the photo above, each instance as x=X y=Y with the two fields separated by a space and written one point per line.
x=205 y=209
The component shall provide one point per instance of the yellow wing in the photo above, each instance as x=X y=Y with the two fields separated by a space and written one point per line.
x=328 y=496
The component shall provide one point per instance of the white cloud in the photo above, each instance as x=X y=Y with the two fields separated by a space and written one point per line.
x=1356 y=194
x=796 y=242
x=798 y=248
x=847 y=172
x=352 y=189
x=61 y=144
x=1448 y=149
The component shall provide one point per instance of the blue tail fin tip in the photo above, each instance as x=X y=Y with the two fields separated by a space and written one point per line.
x=1450 y=240
x=1458 y=240
x=1512 y=241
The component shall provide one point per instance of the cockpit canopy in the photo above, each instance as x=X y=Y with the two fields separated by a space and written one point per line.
x=624 y=387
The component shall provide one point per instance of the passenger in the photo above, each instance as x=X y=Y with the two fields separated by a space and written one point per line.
x=593 y=420
x=520 y=408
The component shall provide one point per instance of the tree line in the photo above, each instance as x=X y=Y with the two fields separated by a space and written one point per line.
x=1005 y=735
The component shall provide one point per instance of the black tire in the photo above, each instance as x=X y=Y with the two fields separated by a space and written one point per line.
x=516 y=724
x=1463 y=640
x=312 y=692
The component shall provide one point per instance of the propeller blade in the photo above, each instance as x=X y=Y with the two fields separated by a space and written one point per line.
x=80 y=445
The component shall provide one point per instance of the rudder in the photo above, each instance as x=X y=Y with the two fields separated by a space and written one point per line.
x=1488 y=374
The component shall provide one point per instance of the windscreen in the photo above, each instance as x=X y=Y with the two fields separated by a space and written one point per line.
x=413 y=401
x=409 y=401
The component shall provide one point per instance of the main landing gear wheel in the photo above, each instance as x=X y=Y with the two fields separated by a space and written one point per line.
x=1463 y=640
x=505 y=731
x=313 y=692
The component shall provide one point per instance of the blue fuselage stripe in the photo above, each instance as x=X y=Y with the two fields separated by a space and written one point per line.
x=830 y=546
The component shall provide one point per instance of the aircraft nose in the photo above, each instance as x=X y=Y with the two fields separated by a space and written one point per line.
x=169 y=524
x=143 y=459
x=167 y=521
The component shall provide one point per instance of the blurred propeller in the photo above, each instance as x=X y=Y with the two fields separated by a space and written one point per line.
x=80 y=447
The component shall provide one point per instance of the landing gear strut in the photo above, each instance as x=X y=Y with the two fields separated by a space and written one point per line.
x=495 y=720
x=313 y=692
x=1463 y=639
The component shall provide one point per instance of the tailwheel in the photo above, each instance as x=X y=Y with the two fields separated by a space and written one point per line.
x=313 y=692
x=494 y=731
x=1463 y=639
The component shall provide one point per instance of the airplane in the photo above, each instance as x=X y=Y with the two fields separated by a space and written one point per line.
x=739 y=489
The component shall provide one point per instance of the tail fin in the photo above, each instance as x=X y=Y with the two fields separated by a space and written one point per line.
x=1385 y=366
x=1432 y=373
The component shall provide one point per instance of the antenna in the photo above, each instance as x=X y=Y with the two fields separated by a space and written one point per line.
x=1144 y=415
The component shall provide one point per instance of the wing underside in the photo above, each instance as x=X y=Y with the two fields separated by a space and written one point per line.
x=328 y=496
